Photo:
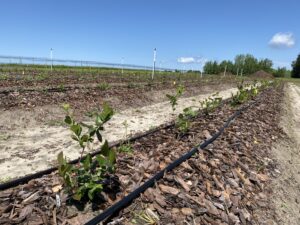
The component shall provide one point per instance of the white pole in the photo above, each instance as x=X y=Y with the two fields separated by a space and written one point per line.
x=154 y=59
x=51 y=57
x=225 y=70
x=122 y=65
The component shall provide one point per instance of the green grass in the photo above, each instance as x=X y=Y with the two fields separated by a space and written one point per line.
x=292 y=80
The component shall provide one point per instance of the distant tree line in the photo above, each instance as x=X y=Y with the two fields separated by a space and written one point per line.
x=243 y=65
x=296 y=68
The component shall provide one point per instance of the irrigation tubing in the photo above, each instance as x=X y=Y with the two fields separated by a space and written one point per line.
x=149 y=183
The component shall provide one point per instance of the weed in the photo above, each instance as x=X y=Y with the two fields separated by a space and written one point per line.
x=103 y=86
x=131 y=85
x=146 y=217
x=61 y=87
x=3 y=77
x=5 y=179
x=4 y=137
x=126 y=147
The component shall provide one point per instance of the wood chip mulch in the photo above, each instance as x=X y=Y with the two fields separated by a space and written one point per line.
x=227 y=183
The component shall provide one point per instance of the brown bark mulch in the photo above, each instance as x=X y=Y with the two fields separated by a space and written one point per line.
x=227 y=183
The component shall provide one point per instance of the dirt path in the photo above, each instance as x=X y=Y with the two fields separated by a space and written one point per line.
x=30 y=146
x=287 y=153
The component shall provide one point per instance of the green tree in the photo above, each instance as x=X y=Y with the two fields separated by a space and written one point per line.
x=280 y=72
x=266 y=65
x=296 y=68
x=228 y=65
x=211 y=67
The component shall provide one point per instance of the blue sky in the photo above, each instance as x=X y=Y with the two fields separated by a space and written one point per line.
x=185 y=33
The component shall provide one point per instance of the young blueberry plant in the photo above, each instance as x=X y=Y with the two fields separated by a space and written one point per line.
x=254 y=89
x=173 y=98
x=241 y=96
x=210 y=104
x=183 y=120
x=87 y=177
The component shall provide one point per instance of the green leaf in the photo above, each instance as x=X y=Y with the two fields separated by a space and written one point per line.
x=101 y=160
x=79 y=193
x=95 y=188
x=99 y=136
x=86 y=125
x=60 y=159
x=98 y=121
x=106 y=113
x=66 y=107
x=105 y=149
x=74 y=137
x=76 y=129
x=92 y=131
x=68 y=180
x=112 y=157
x=68 y=120
x=85 y=138
x=87 y=162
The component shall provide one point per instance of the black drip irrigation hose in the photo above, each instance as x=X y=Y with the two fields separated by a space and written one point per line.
x=25 y=179
x=149 y=183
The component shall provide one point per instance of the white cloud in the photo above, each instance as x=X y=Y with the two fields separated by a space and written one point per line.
x=283 y=40
x=189 y=60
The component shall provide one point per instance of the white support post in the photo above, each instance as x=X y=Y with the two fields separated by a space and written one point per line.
x=122 y=62
x=225 y=70
x=51 y=57
x=154 y=59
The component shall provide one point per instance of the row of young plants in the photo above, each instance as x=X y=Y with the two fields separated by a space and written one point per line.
x=209 y=105
x=89 y=177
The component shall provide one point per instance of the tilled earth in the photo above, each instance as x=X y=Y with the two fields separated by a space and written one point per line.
x=83 y=98
x=227 y=183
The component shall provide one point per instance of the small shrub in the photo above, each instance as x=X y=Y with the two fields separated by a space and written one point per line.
x=241 y=96
x=173 y=98
x=86 y=178
x=189 y=112
x=182 y=123
x=210 y=104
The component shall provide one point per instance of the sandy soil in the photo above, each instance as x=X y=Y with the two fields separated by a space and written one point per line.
x=27 y=145
x=287 y=154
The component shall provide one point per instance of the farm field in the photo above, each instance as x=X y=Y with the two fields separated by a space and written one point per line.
x=230 y=181
x=39 y=113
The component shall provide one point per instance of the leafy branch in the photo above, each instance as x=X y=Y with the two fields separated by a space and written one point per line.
x=173 y=98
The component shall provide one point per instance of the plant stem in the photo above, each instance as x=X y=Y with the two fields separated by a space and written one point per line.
x=81 y=154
